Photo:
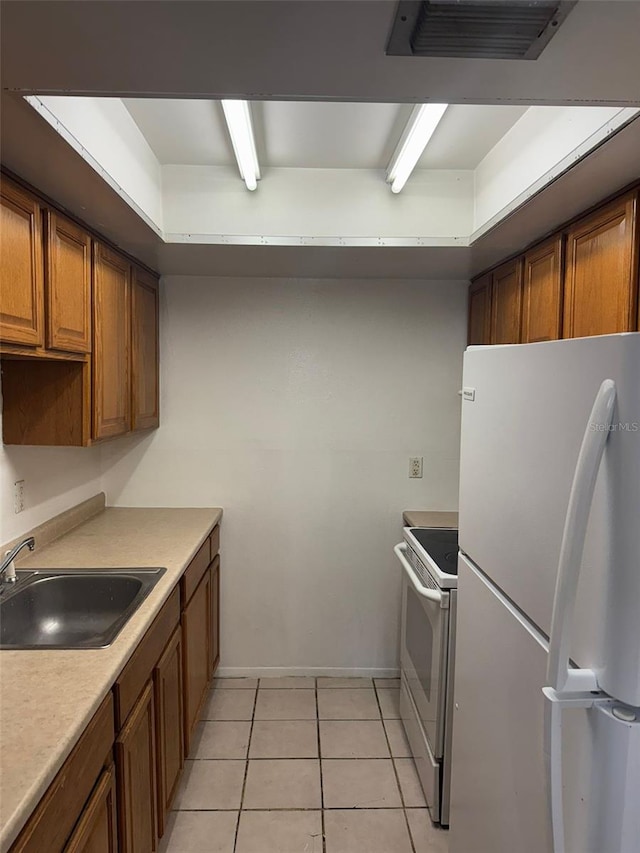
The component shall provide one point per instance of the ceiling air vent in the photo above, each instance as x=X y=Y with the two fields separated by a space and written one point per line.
x=476 y=29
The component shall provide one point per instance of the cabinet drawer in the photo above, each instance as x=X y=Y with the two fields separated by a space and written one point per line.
x=53 y=820
x=137 y=672
x=195 y=570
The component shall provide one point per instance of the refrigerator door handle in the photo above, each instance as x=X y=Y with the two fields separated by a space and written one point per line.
x=559 y=675
x=425 y=592
x=570 y=687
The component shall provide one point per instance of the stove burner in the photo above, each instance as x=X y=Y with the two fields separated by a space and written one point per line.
x=441 y=545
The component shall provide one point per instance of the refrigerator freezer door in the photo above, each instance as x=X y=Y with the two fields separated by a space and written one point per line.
x=520 y=440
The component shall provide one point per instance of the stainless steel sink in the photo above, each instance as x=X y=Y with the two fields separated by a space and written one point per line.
x=76 y=609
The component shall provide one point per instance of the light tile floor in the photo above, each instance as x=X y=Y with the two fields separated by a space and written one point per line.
x=301 y=765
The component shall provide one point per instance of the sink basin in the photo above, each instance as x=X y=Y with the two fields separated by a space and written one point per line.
x=71 y=609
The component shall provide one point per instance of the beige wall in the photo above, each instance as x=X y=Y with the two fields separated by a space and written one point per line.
x=55 y=479
x=295 y=405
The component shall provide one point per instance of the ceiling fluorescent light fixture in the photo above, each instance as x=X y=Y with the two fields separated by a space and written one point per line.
x=415 y=137
x=238 y=117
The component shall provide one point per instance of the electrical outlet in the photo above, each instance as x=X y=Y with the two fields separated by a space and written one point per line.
x=415 y=467
x=18 y=496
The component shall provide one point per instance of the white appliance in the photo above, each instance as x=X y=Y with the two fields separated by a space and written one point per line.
x=546 y=751
x=429 y=557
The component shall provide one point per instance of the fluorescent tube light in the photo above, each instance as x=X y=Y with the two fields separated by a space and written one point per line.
x=419 y=130
x=238 y=118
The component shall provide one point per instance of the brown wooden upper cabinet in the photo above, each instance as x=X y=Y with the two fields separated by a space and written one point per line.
x=144 y=345
x=479 y=331
x=601 y=284
x=111 y=343
x=542 y=292
x=506 y=303
x=68 y=284
x=22 y=291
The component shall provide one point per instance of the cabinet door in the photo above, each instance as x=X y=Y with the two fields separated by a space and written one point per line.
x=479 y=331
x=68 y=285
x=506 y=303
x=144 y=368
x=21 y=267
x=602 y=272
x=196 y=637
x=96 y=830
x=111 y=344
x=167 y=682
x=214 y=655
x=542 y=297
x=135 y=751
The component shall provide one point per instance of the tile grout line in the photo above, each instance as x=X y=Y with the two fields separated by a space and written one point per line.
x=324 y=838
x=246 y=767
x=395 y=771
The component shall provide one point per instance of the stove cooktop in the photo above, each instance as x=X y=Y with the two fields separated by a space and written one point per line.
x=441 y=545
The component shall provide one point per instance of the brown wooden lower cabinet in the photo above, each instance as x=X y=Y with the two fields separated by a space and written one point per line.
x=146 y=722
x=196 y=638
x=168 y=687
x=215 y=615
x=96 y=831
x=49 y=827
x=135 y=751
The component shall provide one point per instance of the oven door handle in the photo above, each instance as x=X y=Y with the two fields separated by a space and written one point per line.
x=432 y=594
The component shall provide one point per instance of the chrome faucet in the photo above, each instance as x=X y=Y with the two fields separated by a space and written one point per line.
x=7 y=564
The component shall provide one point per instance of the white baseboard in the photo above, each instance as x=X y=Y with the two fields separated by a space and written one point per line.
x=332 y=671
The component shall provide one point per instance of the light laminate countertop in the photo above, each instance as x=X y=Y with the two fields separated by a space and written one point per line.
x=47 y=697
x=419 y=518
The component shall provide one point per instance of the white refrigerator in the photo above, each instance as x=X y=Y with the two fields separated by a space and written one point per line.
x=546 y=730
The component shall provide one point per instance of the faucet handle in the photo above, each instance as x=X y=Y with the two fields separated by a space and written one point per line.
x=10 y=571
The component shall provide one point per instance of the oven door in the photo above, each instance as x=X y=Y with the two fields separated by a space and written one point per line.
x=424 y=649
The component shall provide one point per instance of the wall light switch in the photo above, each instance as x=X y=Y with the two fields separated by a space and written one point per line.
x=18 y=496
x=415 y=467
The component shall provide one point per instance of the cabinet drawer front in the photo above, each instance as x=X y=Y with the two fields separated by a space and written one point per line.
x=136 y=673
x=21 y=267
x=54 y=818
x=97 y=831
x=68 y=285
x=195 y=570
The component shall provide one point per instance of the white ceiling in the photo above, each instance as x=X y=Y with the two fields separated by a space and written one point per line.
x=316 y=134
